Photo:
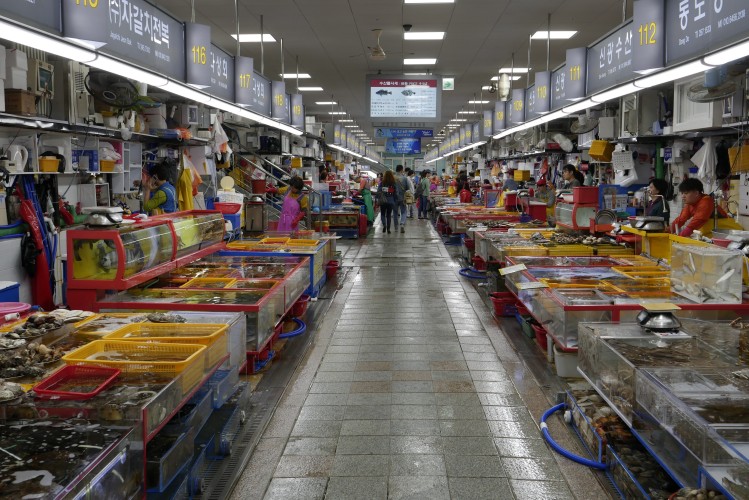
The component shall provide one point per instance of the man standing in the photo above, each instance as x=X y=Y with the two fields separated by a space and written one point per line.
x=401 y=182
x=412 y=190
x=422 y=193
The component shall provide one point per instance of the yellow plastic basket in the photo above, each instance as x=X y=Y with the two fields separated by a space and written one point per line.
x=570 y=251
x=601 y=150
x=209 y=283
x=168 y=360
x=212 y=336
x=531 y=251
x=242 y=245
x=302 y=243
x=642 y=272
x=609 y=250
x=274 y=241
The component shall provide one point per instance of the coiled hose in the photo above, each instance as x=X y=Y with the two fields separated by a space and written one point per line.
x=301 y=328
x=565 y=453
x=469 y=272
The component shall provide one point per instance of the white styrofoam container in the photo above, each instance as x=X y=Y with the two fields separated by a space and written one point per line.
x=15 y=58
x=2 y=96
x=566 y=363
x=15 y=78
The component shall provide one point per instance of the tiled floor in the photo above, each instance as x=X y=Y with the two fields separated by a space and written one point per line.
x=411 y=393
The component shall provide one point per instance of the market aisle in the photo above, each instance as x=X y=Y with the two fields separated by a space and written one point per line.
x=403 y=394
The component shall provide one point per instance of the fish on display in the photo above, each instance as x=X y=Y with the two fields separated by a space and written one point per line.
x=383 y=92
x=408 y=93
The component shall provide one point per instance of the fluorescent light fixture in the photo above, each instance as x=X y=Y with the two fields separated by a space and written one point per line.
x=186 y=92
x=468 y=112
x=578 y=106
x=459 y=120
x=417 y=74
x=423 y=35
x=254 y=37
x=670 y=75
x=119 y=68
x=345 y=121
x=326 y=103
x=478 y=102
x=428 y=1
x=45 y=42
x=513 y=71
x=336 y=112
x=495 y=78
x=555 y=35
x=418 y=61
x=301 y=76
x=349 y=126
x=727 y=55
x=614 y=93
x=310 y=89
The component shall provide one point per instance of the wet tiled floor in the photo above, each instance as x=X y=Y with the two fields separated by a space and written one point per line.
x=410 y=392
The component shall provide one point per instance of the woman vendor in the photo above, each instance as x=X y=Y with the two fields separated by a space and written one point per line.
x=295 y=204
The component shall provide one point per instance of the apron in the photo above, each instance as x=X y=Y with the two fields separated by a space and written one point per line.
x=289 y=212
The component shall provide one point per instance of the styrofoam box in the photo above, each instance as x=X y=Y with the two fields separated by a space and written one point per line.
x=15 y=78
x=2 y=95
x=15 y=58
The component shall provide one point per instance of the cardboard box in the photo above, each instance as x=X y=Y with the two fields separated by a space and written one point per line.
x=20 y=102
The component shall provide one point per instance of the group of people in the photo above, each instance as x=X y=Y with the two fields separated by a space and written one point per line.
x=397 y=194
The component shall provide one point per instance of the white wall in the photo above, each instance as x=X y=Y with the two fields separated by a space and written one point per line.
x=10 y=267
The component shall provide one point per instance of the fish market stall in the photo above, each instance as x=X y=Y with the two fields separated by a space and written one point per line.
x=171 y=264
x=123 y=414
x=681 y=386
x=342 y=220
x=320 y=251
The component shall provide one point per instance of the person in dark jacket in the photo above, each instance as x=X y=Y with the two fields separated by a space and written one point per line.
x=387 y=194
x=658 y=206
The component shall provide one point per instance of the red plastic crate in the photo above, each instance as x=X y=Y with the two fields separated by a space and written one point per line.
x=478 y=263
x=100 y=375
x=300 y=306
x=504 y=303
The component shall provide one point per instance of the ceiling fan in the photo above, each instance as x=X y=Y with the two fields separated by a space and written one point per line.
x=377 y=53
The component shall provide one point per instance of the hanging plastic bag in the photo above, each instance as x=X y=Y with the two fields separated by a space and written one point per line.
x=706 y=159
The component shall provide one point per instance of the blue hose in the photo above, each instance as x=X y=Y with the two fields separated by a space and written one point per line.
x=559 y=449
x=469 y=272
x=302 y=327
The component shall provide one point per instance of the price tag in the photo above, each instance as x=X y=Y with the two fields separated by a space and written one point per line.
x=531 y=285
x=512 y=269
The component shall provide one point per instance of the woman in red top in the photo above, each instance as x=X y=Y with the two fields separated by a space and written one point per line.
x=698 y=208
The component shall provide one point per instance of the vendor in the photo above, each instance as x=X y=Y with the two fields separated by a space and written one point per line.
x=657 y=206
x=365 y=186
x=295 y=205
x=162 y=197
x=572 y=177
x=698 y=210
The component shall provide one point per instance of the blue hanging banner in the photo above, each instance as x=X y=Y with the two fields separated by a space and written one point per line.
x=403 y=146
x=403 y=133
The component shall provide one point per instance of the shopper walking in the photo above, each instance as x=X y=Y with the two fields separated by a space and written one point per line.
x=388 y=199
x=401 y=182
x=422 y=193
x=412 y=190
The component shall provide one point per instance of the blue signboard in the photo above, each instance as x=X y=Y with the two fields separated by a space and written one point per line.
x=403 y=146
x=403 y=133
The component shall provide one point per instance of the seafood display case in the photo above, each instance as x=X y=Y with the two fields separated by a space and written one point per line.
x=118 y=258
x=575 y=216
x=262 y=288
x=707 y=274
x=684 y=393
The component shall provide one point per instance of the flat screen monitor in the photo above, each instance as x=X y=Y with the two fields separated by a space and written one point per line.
x=405 y=98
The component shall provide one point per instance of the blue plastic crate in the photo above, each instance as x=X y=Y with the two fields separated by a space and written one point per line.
x=223 y=383
x=162 y=469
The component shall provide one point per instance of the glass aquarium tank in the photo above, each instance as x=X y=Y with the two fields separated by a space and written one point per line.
x=707 y=274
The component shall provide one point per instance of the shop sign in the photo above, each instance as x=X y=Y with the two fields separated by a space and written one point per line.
x=488 y=123
x=649 y=53
x=476 y=132
x=297 y=110
x=610 y=60
x=45 y=14
x=499 y=117
x=695 y=27
x=462 y=136
x=278 y=101
x=243 y=67
x=134 y=30
x=403 y=133
x=337 y=134
x=199 y=60
x=543 y=96
x=530 y=102
x=568 y=82
x=469 y=133
x=222 y=74
x=518 y=107
x=260 y=95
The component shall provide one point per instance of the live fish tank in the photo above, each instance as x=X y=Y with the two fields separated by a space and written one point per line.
x=68 y=458
x=196 y=231
x=263 y=306
x=707 y=274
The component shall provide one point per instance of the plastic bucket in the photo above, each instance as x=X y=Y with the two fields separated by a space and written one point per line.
x=478 y=263
x=300 y=306
x=540 y=335
x=504 y=303
x=331 y=268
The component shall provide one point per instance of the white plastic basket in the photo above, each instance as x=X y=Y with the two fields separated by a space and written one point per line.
x=230 y=197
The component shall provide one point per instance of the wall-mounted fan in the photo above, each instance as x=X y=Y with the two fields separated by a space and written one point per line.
x=112 y=90
x=715 y=87
x=523 y=135
x=584 y=124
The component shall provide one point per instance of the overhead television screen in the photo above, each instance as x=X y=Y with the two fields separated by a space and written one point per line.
x=404 y=97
